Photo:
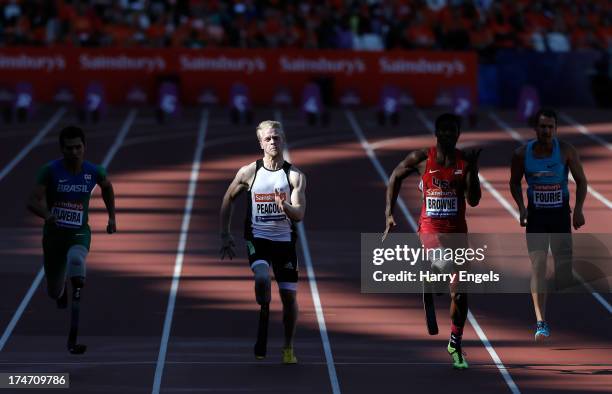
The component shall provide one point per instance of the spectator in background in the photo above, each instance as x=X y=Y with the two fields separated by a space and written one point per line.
x=419 y=34
x=482 y=39
x=272 y=28
x=604 y=32
x=538 y=41
x=455 y=30
x=326 y=29
x=374 y=24
x=584 y=36
x=344 y=35
x=503 y=32
x=556 y=38
x=85 y=26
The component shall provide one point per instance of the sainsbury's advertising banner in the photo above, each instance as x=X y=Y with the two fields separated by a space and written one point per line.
x=422 y=74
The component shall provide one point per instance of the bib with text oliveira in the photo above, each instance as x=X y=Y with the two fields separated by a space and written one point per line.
x=68 y=214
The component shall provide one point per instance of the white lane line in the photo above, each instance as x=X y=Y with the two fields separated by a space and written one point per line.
x=40 y=275
x=314 y=291
x=376 y=163
x=584 y=130
x=24 y=303
x=388 y=142
x=498 y=362
x=593 y=192
x=180 y=253
x=125 y=128
x=483 y=338
x=32 y=144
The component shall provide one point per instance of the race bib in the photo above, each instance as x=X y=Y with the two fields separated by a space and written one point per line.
x=441 y=206
x=68 y=214
x=266 y=210
x=547 y=196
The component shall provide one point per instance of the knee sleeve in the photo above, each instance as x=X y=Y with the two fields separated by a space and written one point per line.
x=288 y=286
x=262 y=282
x=76 y=258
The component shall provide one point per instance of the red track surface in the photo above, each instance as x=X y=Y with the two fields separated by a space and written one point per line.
x=378 y=341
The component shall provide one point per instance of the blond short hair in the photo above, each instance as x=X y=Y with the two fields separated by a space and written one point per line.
x=269 y=124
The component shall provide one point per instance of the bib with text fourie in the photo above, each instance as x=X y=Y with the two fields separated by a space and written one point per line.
x=548 y=196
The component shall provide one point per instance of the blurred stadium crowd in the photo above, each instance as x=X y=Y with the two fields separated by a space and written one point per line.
x=482 y=25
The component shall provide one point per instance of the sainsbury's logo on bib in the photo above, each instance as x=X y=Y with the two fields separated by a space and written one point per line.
x=266 y=209
x=268 y=197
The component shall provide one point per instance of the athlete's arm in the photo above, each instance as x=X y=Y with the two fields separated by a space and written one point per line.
x=37 y=203
x=472 y=182
x=108 y=195
x=517 y=170
x=406 y=167
x=296 y=210
x=238 y=185
x=575 y=166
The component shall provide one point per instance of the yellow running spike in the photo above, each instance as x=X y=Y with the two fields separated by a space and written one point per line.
x=459 y=361
x=288 y=356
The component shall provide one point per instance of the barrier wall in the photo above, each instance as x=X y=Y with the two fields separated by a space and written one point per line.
x=423 y=74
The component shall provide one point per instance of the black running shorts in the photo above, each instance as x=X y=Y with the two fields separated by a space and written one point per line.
x=281 y=256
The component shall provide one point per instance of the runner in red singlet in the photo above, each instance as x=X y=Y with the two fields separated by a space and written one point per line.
x=449 y=178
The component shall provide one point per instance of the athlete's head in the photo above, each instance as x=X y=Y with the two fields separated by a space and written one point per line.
x=545 y=124
x=271 y=137
x=448 y=128
x=72 y=143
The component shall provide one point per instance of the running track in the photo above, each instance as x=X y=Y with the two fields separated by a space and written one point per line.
x=372 y=342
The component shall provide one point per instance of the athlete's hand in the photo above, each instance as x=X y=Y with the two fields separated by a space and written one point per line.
x=523 y=217
x=390 y=226
x=227 y=246
x=578 y=219
x=471 y=159
x=278 y=199
x=111 y=227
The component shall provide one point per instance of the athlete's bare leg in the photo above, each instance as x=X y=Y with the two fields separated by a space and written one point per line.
x=459 y=308
x=290 y=313
x=538 y=283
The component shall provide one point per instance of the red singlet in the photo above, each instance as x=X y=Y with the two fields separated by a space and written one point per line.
x=443 y=209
